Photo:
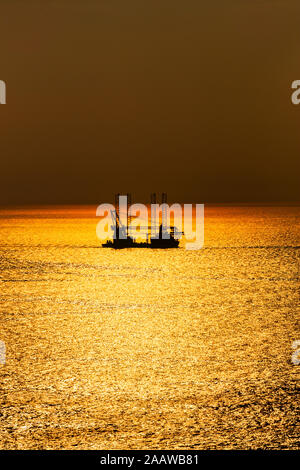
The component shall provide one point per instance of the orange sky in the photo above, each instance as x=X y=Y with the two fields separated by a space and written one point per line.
x=192 y=98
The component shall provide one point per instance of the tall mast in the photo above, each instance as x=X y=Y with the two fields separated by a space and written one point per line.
x=117 y=214
x=164 y=211
x=128 y=216
x=153 y=216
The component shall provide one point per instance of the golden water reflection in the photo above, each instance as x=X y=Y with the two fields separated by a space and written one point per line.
x=145 y=349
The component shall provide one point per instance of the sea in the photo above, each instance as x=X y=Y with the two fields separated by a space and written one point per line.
x=149 y=349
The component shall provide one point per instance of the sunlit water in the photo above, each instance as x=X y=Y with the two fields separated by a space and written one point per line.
x=145 y=349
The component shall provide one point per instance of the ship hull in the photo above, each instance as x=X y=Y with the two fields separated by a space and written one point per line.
x=129 y=243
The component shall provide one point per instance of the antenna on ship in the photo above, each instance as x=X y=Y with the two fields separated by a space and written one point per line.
x=128 y=216
x=164 y=199
x=153 y=216
x=117 y=209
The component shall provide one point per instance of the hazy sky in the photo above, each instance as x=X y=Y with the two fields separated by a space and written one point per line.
x=190 y=97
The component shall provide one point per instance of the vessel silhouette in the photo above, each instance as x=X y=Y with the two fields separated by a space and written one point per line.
x=165 y=238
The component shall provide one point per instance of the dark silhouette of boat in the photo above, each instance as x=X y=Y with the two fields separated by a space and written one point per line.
x=164 y=239
x=129 y=242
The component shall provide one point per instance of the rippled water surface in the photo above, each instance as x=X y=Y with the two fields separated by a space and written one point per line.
x=145 y=349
